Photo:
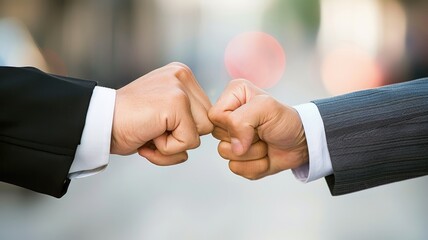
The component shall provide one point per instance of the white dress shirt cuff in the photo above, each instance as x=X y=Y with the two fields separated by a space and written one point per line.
x=319 y=157
x=92 y=154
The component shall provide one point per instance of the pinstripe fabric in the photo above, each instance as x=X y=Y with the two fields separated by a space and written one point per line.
x=376 y=136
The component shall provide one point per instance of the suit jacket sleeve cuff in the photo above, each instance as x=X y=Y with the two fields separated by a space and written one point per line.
x=92 y=154
x=319 y=164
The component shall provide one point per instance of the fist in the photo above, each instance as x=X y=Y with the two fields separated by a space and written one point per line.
x=161 y=115
x=258 y=135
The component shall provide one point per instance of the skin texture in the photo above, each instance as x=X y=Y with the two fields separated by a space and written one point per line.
x=161 y=115
x=258 y=135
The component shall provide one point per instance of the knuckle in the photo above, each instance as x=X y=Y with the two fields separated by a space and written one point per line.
x=205 y=128
x=263 y=166
x=219 y=134
x=164 y=150
x=178 y=96
x=224 y=155
x=240 y=81
x=259 y=147
x=253 y=175
x=213 y=114
x=216 y=134
x=222 y=150
x=235 y=168
x=194 y=143
x=167 y=149
x=255 y=171
x=182 y=71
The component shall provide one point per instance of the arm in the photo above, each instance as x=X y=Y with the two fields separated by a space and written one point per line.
x=376 y=136
x=160 y=115
x=373 y=137
x=41 y=121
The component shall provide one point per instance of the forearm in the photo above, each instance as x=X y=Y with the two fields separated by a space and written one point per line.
x=376 y=136
x=40 y=127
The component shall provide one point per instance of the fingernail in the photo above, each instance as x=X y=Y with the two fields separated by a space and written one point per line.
x=237 y=147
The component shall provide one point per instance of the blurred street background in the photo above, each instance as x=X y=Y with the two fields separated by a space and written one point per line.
x=331 y=47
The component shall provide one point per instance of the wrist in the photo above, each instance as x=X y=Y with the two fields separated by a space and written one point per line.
x=319 y=164
x=302 y=144
x=303 y=148
x=114 y=130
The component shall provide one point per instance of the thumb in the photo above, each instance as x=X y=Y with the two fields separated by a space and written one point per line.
x=237 y=93
x=241 y=138
x=243 y=123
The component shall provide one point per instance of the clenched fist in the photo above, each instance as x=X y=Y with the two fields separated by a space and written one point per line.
x=161 y=115
x=259 y=135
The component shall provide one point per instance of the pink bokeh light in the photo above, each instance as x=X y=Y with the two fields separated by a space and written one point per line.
x=348 y=69
x=257 y=57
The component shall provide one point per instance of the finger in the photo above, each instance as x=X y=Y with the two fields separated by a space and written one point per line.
x=236 y=94
x=181 y=133
x=157 y=158
x=200 y=115
x=256 y=151
x=221 y=134
x=252 y=170
x=185 y=75
x=199 y=101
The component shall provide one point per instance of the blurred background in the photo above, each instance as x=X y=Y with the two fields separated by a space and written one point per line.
x=331 y=47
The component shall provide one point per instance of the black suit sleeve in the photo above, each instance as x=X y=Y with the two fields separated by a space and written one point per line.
x=376 y=136
x=41 y=121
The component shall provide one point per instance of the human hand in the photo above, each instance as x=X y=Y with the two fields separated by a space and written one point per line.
x=259 y=135
x=161 y=115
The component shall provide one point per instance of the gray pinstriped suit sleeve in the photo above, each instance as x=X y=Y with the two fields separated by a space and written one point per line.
x=376 y=136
